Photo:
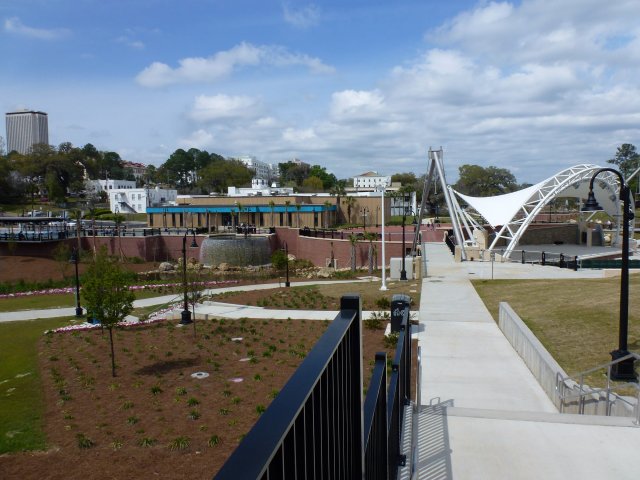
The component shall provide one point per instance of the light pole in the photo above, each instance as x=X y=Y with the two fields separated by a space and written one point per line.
x=623 y=370
x=403 y=272
x=74 y=259
x=186 y=314
x=286 y=254
x=384 y=265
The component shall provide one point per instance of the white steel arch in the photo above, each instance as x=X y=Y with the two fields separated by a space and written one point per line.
x=512 y=213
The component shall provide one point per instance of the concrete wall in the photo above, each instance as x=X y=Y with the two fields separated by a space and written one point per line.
x=544 y=367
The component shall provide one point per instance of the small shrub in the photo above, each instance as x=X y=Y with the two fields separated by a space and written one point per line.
x=226 y=393
x=257 y=377
x=179 y=443
x=192 y=402
x=132 y=420
x=260 y=409
x=391 y=340
x=194 y=415
x=155 y=390
x=213 y=440
x=383 y=303
x=84 y=441
x=235 y=400
x=181 y=391
x=224 y=411
x=147 y=442
x=127 y=405
x=116 y=444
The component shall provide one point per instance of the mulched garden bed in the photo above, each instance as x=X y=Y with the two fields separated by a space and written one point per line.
x=153 y=420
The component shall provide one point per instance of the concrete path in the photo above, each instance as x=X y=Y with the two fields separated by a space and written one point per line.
x=484 y=416
x=214 y=308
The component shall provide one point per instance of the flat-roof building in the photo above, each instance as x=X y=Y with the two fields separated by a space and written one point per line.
x=26 y=128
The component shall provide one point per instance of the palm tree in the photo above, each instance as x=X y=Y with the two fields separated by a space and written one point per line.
x=272 y=206
x=353 y=239
x=327 y=205
x=371 y=237
x=298 y=207
x=350 y=202
x=286 y=211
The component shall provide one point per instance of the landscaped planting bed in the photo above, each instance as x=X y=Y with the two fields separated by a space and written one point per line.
x=154 y=420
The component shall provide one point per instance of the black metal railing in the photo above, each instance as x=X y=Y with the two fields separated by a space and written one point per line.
x=449 y=239
x=384 y=410
x=317 y=426
x=314 y=427
x=376 y=456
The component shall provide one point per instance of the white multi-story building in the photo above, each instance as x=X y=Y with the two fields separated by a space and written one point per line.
x=26 y=128
x=261 y=169
x=370 y=180
x=259 y=188
x=136 y=200
x=108 y=185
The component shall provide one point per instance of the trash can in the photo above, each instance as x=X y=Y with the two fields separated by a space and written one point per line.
x=399 y=302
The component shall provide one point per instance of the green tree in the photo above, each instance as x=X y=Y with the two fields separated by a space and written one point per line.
x=478 y=181
x=286 y=211
x=221 y=174
x=105 y=290
x=350 y=202
x=627 y=160
x=353 y=240
x=312 y=184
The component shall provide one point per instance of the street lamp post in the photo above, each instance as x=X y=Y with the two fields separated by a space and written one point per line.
x=75 y=260
x=186 y=314
x=622 y=370
x=383 y=287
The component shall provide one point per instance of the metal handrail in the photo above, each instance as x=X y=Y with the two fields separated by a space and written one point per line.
x=416 y=410
x=562 y=380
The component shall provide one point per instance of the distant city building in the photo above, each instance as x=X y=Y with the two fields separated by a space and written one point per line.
x=138 y=170
x=259 y=188
x=107 y=185
x=369 y=180
x=299 y=162
x=260 y=169
x=136 y=200
x=26 y=128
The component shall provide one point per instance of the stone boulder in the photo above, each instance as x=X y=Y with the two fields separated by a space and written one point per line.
x=166 y=267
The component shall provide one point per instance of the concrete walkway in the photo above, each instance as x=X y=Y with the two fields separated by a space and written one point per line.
x=211 y=308
x=484 y=416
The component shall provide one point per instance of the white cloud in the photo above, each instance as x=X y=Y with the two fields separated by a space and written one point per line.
x=304 y=17
x=15 y=26
x=223 y=63
x=200 y=139
x=223 y=107
x=135 y=44
x=356 y=104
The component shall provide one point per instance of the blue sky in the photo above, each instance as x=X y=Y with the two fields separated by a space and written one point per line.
x=534 y=86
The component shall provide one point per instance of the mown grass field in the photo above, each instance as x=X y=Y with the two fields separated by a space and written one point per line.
x=21 y=407
x=576 y=320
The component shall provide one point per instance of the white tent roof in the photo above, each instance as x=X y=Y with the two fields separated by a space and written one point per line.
x=501 y=209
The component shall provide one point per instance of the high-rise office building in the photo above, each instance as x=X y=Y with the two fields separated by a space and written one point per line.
x=26 y=128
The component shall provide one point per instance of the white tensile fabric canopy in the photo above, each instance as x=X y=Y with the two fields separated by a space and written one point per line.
x=499 y=210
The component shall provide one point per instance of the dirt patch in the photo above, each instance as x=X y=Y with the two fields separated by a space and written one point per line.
x=154 y=420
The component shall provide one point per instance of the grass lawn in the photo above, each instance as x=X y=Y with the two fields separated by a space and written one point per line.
x=21 y=405
x=576 y=320
x=36 y=302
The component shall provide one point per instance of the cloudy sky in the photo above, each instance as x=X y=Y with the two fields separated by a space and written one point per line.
x=534 y=86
